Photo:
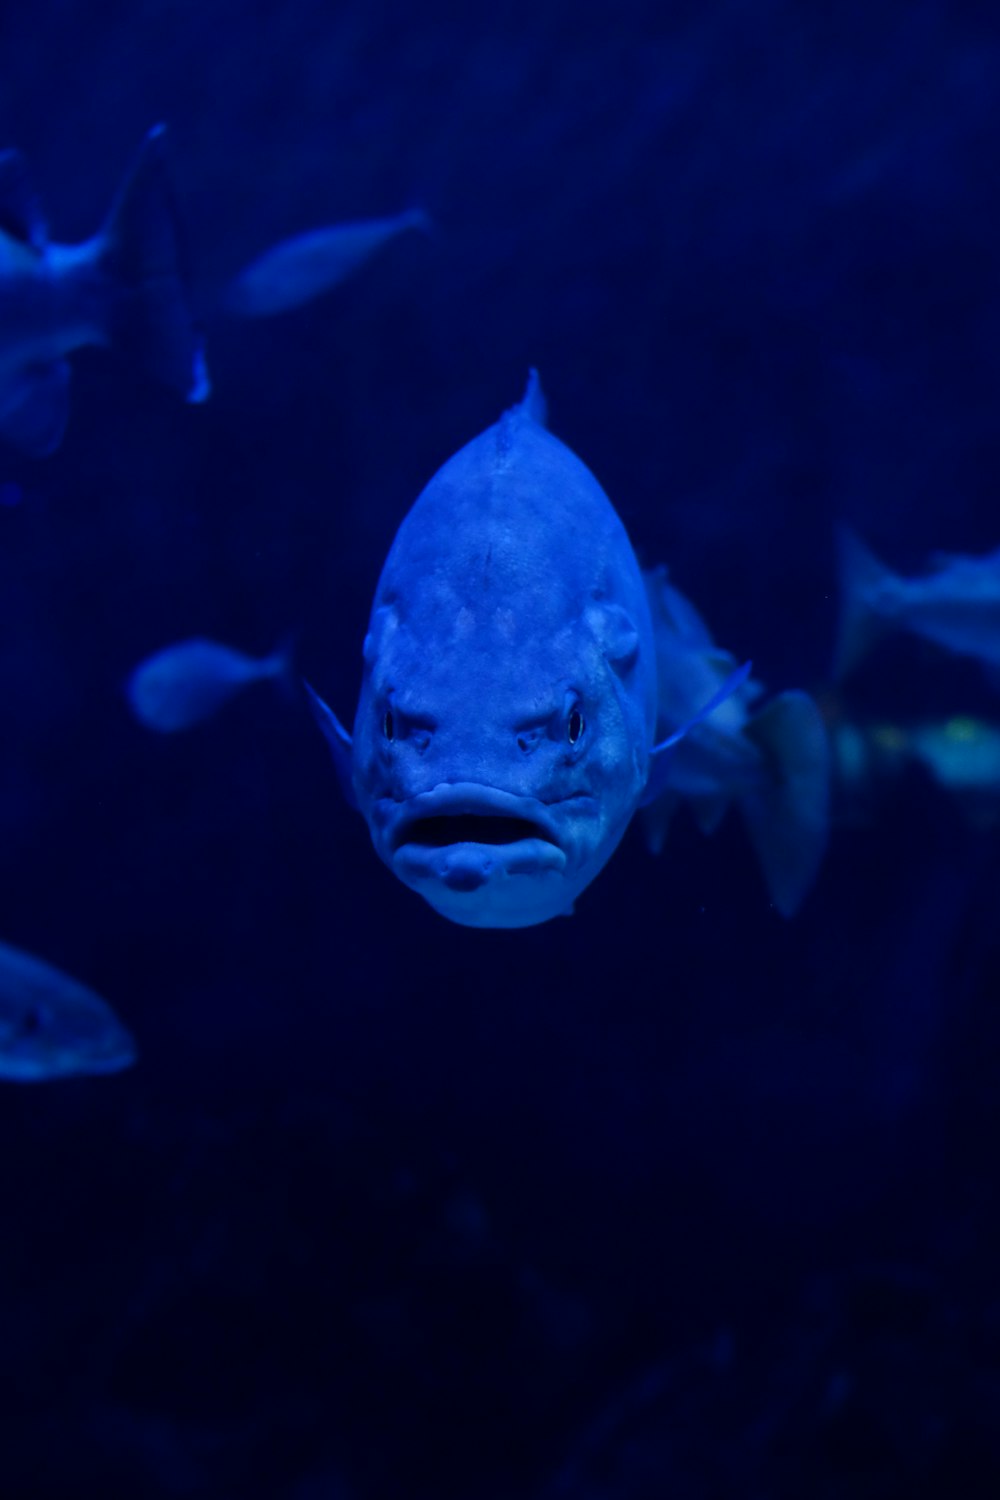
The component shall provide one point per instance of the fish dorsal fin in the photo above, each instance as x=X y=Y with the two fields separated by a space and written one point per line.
x=20 y=211
x=533 y=402
x=661 y=755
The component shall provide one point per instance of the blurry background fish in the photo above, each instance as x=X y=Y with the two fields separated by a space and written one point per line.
x=772 y=762
x=960 y=754
x=185 y=684
x=956 y=604
x=300 y=269
x=124 y=288
x=51 y=1026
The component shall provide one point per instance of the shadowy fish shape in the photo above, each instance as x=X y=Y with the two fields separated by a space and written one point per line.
x=506 y=728
x=961 y=754
x=956 y=604
x=303 y=268
x=123 y=289
x=183 y=685
x=51 y=1026
x=773 y=763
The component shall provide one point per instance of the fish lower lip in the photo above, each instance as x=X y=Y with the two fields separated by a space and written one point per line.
x=464 y=835
x=467 y=866
x=466 y=814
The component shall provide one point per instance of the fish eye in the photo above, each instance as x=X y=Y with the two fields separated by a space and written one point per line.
x=574 y=726
x=388 y=725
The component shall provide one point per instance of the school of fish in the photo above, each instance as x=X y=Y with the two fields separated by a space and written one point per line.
x=527 y=689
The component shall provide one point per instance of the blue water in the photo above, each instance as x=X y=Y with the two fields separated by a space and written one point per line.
x=671 y=1199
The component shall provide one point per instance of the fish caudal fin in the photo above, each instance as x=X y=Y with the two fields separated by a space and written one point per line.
x=140 y=250
x=861 y=576
x=279 y=667
x=788 y=817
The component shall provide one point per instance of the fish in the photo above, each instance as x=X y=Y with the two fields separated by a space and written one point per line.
x=505 y=731
x=51 y=1026
x=125 y=289
x=773 y=762
x=961 y=754
x=187 y=683
x=299 y=269
x=956 y=604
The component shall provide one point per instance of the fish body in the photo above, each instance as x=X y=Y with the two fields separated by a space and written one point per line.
x=506 y=728
x=962 y=754
x=185 y=684
x=51 y=1026
x=302 y=268
x=956 y=604
x=773 y=763
x=122 y=289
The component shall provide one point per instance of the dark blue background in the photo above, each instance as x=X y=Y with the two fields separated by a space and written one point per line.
x=674 y=1198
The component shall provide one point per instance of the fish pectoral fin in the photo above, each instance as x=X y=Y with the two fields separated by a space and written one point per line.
x=339 y=741
x=20 y=210
x=662 y=754
x=35 y=419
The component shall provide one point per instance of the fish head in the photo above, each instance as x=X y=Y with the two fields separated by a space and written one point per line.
x=58 y=1039
x=498 y=759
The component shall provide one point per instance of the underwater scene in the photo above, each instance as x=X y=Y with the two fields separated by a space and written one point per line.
x=500 y=771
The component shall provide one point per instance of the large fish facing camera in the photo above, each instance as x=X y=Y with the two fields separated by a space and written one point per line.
x=507 y=725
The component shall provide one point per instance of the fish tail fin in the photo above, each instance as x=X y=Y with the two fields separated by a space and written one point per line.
x=788 y=816
x=141 y=251
x=418 y=218
x=533 y=402
x=861 y=575
x=279 y=667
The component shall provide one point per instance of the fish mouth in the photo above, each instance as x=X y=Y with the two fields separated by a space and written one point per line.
x=465 y=835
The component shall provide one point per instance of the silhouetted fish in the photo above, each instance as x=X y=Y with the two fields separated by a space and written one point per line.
x=302 y=268
x=182 y=685
x=123 y=288
x=956 y=604
x=774 y=763
x=52 y=1026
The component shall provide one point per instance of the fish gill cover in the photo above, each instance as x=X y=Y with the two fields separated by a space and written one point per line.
x=670 y=1197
